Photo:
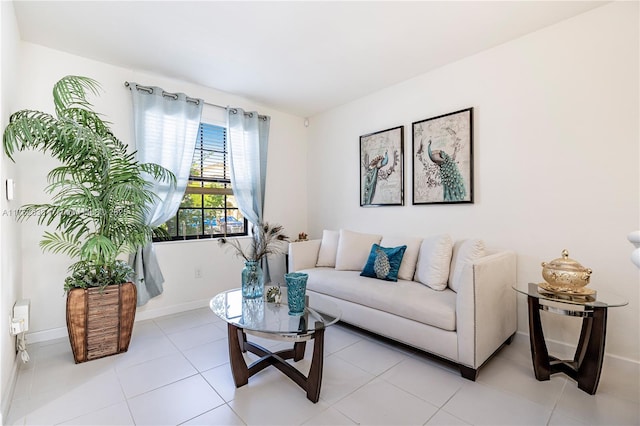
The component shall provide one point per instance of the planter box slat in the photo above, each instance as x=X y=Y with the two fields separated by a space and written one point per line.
x=100 y=312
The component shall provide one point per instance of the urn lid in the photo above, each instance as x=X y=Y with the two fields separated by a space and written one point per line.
x=565 y=263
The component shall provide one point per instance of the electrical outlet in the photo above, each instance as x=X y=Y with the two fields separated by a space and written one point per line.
x=21 y=315
x=16 y=327
x=198 y=272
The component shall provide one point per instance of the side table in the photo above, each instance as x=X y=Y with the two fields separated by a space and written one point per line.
x=586 y=365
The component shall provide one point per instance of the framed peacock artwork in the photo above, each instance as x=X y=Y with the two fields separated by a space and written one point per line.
x=381 y=168
x=443 y=159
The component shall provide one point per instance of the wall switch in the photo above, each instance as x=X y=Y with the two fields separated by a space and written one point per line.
x=10 y=189
x=198 y=272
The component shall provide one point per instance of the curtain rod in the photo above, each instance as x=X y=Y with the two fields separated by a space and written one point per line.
x=194 y=100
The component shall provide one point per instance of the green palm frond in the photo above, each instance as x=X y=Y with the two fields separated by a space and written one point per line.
x=99 y=249
x=59 y=176
x=86 y=118
x=159 y=173
x=45 y=214
x=28 y=130
x=71 y=91
x=56 y=242
x=78 y=143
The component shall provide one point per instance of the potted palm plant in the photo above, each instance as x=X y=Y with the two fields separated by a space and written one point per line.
x=99 y=199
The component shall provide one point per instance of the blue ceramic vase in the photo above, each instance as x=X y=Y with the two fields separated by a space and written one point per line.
x=296 y=289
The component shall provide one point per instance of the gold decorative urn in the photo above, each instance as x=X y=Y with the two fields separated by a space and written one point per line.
x=565 y=274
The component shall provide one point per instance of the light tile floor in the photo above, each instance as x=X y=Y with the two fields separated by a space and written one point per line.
x=176 y=372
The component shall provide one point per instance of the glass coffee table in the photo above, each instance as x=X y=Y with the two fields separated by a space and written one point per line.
x=272 y=321
x=586 y=365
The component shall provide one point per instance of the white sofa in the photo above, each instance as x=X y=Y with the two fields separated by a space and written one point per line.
x=452 y=300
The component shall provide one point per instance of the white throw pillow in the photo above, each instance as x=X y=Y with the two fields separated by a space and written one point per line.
x=464 y=251
x=354 y=249
x=434 y=261
x=328 y=248
x=410 y=258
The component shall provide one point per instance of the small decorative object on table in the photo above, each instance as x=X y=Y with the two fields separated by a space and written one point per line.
x=296 y=290
x=302 y=237
x=265 y=240
x=274 y=295
x=565 y=275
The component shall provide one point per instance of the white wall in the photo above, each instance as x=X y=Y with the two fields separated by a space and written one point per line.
x=9 y=245
x=43 y=274
x=556 y=154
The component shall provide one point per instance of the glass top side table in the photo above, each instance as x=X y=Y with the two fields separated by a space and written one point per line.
x=272 y=321
x=586 y=365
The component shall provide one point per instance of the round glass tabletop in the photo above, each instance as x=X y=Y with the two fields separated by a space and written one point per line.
x=587 y=297
x=273 y=318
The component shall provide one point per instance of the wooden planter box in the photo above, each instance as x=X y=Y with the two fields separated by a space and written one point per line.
x=100 y=321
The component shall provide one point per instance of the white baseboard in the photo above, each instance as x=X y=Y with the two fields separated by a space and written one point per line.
x=173 y=309
x=7 y=397
x=568 y=348
x=61 y=332
x=46 y=335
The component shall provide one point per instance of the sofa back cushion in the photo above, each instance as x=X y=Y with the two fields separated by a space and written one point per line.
x=328 y=248
x=464 y=251
x=434 y=261
x=410 y=258
x=353 y=250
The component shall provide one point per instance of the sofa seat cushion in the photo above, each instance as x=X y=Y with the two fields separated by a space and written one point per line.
x=407 y=299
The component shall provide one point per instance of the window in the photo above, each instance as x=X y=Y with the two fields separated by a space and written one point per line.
x=208 y=208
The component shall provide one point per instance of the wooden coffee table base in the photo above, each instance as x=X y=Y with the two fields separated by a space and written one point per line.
x=586 y=365
x=241 y=372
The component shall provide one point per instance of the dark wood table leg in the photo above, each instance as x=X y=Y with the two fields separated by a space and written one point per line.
x=590 y=352
x=298 y=350
x=314 y=379
x=237 y=344
x=243 y=340
x=539 y=352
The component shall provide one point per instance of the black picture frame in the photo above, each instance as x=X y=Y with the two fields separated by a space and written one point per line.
x=442 y=159
x=381 y=168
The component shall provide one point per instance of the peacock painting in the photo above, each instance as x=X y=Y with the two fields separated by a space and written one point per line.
x=381 y=168
x=450 y=178
x=371 y=175
x=443 y=159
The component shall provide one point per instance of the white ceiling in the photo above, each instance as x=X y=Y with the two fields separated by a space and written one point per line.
x=298 y=57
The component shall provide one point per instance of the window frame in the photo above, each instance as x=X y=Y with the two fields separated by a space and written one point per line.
x=226 y=190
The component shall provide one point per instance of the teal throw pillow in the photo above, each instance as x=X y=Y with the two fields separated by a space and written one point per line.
x=384 y=263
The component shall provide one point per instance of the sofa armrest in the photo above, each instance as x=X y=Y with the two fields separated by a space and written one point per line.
x=486 y=307
x=303 y=255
